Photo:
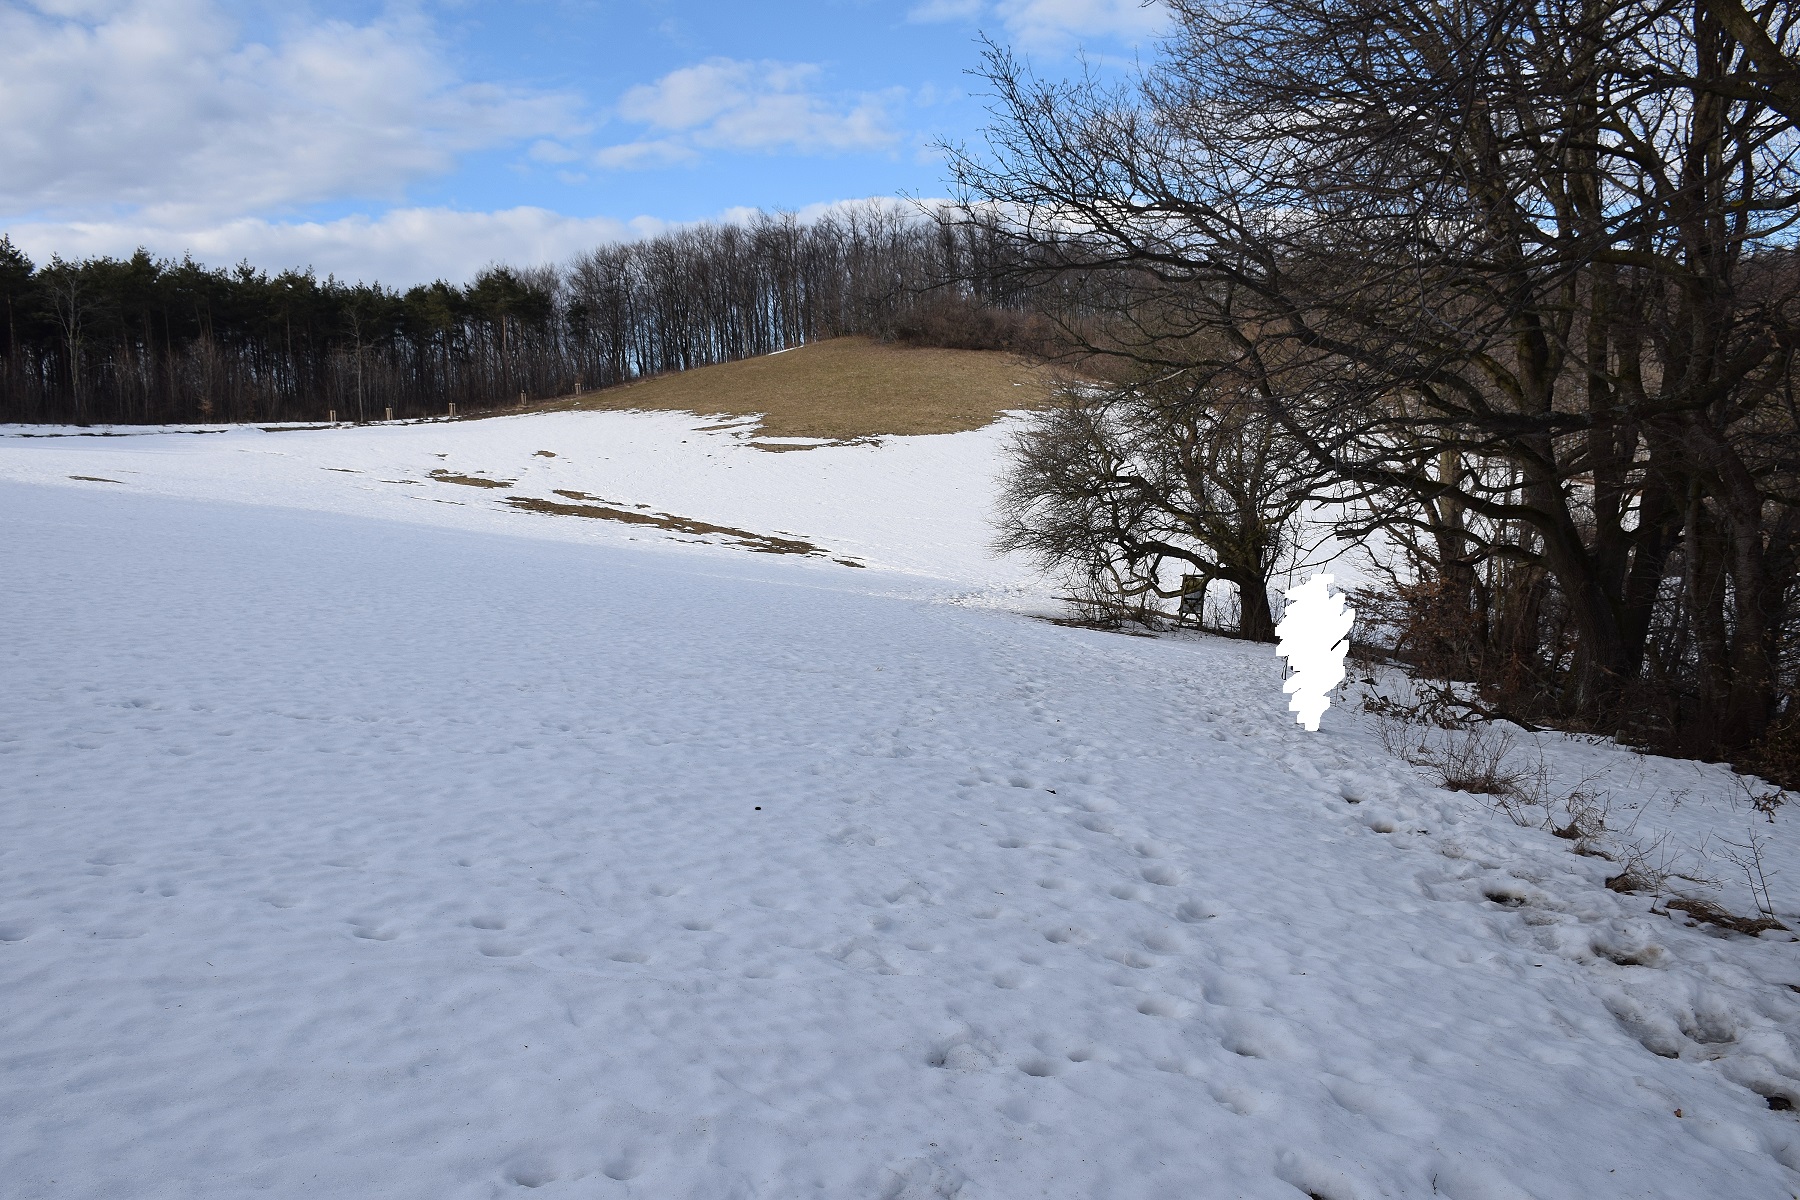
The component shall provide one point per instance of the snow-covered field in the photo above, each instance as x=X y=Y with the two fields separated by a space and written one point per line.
x=364 y=838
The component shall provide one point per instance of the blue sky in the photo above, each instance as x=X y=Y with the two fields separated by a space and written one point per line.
x=411 y=140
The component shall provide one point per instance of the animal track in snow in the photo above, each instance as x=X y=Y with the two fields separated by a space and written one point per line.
x=1068 y=935
x=964 y=1051
x=1162 y=876
x=1163 y=1006
x=623 y=1167
x=1127 y=957
x=1160 y=942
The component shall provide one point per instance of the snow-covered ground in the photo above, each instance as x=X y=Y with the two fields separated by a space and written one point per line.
x=366 y=839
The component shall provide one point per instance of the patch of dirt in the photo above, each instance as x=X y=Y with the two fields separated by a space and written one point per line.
x=758 y=543
x=443 y=476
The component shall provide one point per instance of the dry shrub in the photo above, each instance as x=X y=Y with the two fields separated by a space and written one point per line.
x=1709 y=913
x=953 y=322
x=1425 y=626
x=1776 y=756
x=1098 y=601
x=1478 y=761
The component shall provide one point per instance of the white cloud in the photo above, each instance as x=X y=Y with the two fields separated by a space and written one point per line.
x=735 y=104
x=1054 y=24
x=161 y=105
x=660 y=153
x=399 y=248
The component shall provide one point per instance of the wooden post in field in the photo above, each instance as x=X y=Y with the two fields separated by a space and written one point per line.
x=521 y=399
x=453 y=409
x=332 y=416
x=390 y=414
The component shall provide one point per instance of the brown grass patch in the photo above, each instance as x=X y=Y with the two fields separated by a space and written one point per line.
x=757 y=543
x=841 y=390
x=443 y=476
x=1713 y=914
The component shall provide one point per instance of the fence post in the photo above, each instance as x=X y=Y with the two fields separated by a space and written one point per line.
x=331 y=416
x=390 y=414
x=453 y=408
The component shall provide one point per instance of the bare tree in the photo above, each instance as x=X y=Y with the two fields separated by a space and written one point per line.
x=1121 y=482
x=1519 y=274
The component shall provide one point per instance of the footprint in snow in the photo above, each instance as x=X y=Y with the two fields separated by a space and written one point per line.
x=1384 y=1107
x=1254 y=1037
x=1163 y=1006
x=1127 y=957
x=963 y=1053
x=1163 y=942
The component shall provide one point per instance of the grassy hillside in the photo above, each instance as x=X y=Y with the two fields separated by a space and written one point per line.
x=845 y=388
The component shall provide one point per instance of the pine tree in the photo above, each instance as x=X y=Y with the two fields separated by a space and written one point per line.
x=1314 y=639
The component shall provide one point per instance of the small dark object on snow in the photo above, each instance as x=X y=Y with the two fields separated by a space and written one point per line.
x=1780 y=1103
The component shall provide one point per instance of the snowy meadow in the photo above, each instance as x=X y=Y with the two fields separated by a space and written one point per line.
x=595 y=804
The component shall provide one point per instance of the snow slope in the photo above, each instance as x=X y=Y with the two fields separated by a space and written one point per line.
x=919 y=505
x=357 y=846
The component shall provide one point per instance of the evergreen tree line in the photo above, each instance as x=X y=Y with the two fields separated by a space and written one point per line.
x=147 y=340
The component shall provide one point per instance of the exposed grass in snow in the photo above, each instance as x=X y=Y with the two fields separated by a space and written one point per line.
x=843 y=389
x=443 y=476
x=596 y=508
